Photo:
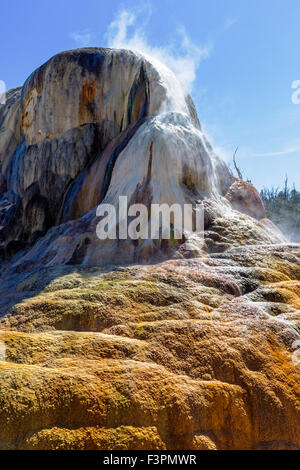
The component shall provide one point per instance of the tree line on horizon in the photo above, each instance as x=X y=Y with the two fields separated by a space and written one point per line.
x=283 y=208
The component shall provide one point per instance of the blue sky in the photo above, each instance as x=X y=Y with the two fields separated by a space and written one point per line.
x=239 y=59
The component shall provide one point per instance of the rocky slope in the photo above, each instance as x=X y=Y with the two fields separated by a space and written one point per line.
x=125 y=345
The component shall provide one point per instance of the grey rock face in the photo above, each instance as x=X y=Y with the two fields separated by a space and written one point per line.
x=9 y=130
x=54 y=126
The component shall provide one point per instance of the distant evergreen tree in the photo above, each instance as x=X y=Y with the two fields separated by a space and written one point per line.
x=283 y=208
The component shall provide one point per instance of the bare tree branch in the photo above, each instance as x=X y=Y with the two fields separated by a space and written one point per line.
x=235 y=165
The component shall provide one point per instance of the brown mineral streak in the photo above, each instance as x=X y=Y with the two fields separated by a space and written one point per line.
x=88 y=103
x=26 y=119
